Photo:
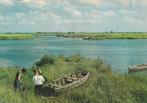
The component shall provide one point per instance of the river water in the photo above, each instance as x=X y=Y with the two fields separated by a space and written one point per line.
x=118 y=53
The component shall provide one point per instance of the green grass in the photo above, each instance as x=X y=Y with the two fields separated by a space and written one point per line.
x=102 y=86
x=15 y=36
x=84 y=35
x=119 y=36
x=106 y=35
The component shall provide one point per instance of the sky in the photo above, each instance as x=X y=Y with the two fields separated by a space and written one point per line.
x=73 y=15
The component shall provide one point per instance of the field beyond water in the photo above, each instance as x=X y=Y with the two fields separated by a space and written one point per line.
x=105 y=35
x=15 y=36
x=83 y=35
x=102 y=86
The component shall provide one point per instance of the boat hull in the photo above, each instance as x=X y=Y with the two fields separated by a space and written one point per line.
x=65 y=82
x=137 y=68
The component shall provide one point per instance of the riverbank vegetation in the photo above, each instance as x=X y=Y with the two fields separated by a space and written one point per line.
x=82 y=35
x=105 y=35
x=46 y=33
x=15 y=36
x=102 y=86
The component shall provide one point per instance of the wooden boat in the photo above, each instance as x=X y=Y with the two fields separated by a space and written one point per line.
x=66 y=82
x=86 y=38
x=137 y=68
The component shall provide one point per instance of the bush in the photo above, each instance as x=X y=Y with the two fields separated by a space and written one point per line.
x=74 y=58
x=46 y=59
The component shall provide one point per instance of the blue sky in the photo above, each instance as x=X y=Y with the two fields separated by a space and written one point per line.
x=73 y=15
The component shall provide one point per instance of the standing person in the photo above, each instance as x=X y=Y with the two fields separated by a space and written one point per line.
x=17 y=81
x=38 y=81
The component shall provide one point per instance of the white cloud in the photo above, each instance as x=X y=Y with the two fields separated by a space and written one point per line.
x=131 y=20
x=97 y=3
x=114 y=3
x=100 y=16
x=135 y=15
x=77 y=13
x=25 y=1
x=69 y=8
x=106 y=14
x=1 y=17
x=125 y=3
x=94 y=15
x=34 y=3
x=73 y=11
x=41 y=2
x=49 y=16
x=91 y=2
x=109 y=13
x=19 y=15
x=7 y=2
x=35 y=17
x=143 y=3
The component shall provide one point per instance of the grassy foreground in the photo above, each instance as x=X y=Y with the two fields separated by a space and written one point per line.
x=102 y=87
x=106 y=35
x=15 y=36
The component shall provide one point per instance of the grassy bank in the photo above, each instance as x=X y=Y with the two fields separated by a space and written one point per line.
x=46 y=33
x=15 y=36
x=106 y=35
x=102 y=87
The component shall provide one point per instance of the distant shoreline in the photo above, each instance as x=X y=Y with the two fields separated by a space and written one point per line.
x=105 y=35
x=81 y=35
x=15 y=36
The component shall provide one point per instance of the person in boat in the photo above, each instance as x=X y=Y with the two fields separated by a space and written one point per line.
x=17 y=81
x=38 y=82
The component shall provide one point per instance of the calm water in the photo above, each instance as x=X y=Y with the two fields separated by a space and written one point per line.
x=118 y=53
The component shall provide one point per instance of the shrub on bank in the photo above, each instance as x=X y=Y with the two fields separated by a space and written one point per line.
x=46 y=59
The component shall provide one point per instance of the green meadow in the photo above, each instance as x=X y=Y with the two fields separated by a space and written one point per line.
x=83 y=35
x=15 y=36
x=103 y=86
x=105 y=35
